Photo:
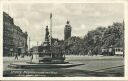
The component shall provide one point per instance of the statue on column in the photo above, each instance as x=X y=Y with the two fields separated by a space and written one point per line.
x=47 y=34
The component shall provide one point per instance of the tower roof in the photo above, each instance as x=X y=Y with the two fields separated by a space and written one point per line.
x=68 y=22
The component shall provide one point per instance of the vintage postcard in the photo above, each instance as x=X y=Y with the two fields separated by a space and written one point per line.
x=63 y=40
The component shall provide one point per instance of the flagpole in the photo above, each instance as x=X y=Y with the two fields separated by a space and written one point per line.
x=51 y=32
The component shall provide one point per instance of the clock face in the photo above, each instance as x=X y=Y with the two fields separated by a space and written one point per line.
x=68 y=27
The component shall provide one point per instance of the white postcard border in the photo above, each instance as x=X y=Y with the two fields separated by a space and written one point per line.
x=64 y=78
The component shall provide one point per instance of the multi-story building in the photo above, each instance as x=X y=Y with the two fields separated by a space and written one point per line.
x=14 y=39
x=7 y=34
x=67 y=31
x=20 y=40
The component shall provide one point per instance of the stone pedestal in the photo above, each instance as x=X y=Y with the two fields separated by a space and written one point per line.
x=35 y=58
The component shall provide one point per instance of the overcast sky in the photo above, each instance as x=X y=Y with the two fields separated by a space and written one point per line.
x=83 y=17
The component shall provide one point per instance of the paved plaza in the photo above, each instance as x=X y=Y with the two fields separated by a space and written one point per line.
x=93 y=66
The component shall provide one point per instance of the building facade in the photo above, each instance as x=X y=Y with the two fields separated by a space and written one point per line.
x=110 y=51
x=67 y=31
x=7 y=34
x=20 y=40
x=14 y=39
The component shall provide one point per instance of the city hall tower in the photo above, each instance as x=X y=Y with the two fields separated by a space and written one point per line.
x=67 y=30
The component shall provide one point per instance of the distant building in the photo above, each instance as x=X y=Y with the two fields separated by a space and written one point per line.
x=119 y=51
x=34 y=50
x=110 y=51
x=14 y=39
x=67 y=31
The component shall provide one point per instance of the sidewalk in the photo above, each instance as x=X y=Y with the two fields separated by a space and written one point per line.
x=9 y=60
x=98 y=57
x=12 y=59
x=68 y=58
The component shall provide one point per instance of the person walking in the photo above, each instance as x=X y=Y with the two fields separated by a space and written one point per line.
x=11 y=52
x=16 y=56
x=31 y=55
x=90 y=53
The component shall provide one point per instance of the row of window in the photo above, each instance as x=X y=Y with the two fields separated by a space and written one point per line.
x=118 y=50
x=9 y=27
x=8 y=42
x=7 y=34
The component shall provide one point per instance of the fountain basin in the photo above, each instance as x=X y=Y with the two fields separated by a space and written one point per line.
x=41 y=65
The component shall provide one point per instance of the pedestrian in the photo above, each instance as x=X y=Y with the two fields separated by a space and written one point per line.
x=90 y=53
x=16 y=56
x=31 y=55
x=11 y=52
